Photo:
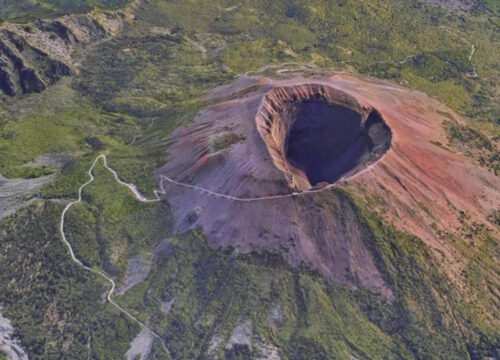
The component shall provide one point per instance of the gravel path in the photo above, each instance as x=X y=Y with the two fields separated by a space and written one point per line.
x=103 y=275
x=141 y=339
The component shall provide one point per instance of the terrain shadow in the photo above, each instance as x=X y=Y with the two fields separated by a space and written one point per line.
x=329 y=141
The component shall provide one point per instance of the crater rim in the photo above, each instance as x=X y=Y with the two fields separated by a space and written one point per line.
x=277 y=115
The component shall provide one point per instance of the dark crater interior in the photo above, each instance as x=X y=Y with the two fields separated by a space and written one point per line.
x=329 y=141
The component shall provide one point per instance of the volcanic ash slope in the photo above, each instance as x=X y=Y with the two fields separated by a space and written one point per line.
x=322 y=138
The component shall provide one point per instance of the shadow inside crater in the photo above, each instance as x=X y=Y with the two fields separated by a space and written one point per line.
x=329 y=141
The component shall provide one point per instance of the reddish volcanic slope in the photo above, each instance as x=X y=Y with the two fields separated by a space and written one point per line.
x=262 y=138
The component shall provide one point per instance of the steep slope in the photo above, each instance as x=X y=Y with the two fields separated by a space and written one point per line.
x=36 y=54
x=239 y=149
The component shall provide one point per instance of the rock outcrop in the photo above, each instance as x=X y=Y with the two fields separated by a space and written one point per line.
x=8 y=343
x=37 y=54
x=403 y=170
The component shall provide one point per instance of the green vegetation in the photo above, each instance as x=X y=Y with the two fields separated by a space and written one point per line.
x=227 y=140
x=110 y=226
x=54 y=305
x=213 y=292
x=24 y=11
x=210 y=292
x=474 y=144
x=32 y=172
x=57 y=121
x=494 y=217
x=452 y=313
x=134 y=90
x=141 y=85
x=426 y=47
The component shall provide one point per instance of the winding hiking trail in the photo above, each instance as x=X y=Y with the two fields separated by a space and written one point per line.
x=103 y=275
x=269 y=197
x=157 y=198
x=305 y=66
x=474 y=73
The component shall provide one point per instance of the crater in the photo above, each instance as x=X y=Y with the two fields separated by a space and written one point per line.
x=318 y=135
x=292 y=134
x=327 y=141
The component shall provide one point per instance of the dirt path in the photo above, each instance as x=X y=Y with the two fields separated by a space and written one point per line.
x=263 y=198
x=472 y=74
x=304 y=66
x=103 y=275
x=143 y=199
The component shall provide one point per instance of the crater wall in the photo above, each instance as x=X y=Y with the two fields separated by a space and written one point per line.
x=241 y=147
x=318 y=134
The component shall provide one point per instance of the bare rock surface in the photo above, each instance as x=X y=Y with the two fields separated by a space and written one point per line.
x=241 y=335
x=216 y=341
x=140 y=347
x=52 y=160
x=35 y=55
x=275 y=315
x=138 y=268
x=166 y=306
x=8 y=344
x=16 y=192
x=238 y=147
x=266 y=352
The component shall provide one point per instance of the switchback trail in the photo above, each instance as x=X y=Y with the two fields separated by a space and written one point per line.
x=103 y=275
x=157 y=198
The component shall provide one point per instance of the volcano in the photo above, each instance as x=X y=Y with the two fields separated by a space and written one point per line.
x=285 y=153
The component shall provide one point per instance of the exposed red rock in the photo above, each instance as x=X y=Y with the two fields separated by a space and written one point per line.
x=237 y=147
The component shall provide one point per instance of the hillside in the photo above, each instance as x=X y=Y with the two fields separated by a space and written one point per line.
x=260 y=179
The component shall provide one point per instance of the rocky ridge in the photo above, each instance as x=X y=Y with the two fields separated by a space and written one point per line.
x=37 y=54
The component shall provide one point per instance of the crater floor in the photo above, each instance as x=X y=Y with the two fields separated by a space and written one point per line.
x=328 y=141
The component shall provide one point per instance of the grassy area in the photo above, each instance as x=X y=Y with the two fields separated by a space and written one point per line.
x=474 y=144
x=134 y=90
x=29 y=10
x=426 y=47
x=58 y=121
x=149 y=80
x=111 y=226
x=212 y=291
